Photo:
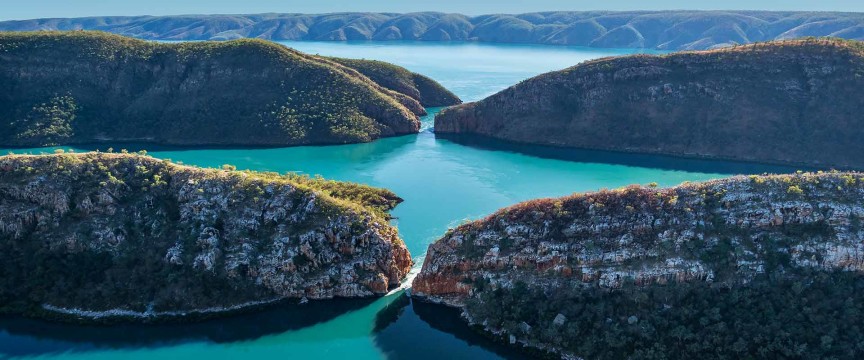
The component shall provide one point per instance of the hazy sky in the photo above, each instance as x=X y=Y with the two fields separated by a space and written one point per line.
x=28 y=9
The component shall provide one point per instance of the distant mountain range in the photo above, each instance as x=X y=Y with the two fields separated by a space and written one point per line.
x=670 y=30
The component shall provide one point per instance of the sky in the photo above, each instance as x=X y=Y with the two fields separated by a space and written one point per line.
x=30 y=9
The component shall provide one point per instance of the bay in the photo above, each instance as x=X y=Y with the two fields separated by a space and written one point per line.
x=444 y=183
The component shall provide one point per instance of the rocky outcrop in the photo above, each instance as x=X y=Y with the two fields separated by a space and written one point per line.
x=115 y=235
x=669 y=30
x=789 y=102
x=600 y=262
x=90 y=87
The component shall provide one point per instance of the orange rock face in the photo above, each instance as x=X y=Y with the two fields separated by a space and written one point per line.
x=401 y=264
x=445 y=284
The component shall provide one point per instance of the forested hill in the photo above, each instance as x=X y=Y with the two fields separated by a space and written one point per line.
x=789 y=102
x=66 y=87
x=672 y=30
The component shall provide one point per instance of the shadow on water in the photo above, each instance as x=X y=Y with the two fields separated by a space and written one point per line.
x=436 y=332
x=29 y=337
x=666 y=162
x=371 y=147
x=278 y=159
x=154 y=146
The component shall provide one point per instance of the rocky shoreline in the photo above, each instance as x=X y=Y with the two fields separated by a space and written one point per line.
x=733 y=238
x=195 y=242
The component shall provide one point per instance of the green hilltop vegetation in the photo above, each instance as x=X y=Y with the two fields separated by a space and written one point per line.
x=89 y=87
x=668 y=30
x=421 y=88
x=377 y=200
x=77 y=229
x=789 y=102
x=743 y=267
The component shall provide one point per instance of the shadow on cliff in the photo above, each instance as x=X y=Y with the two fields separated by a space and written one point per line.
x=436 y=332
x=666 y=162
x=29 y=337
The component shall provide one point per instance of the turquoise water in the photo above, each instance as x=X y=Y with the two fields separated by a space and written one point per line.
x=443 y=183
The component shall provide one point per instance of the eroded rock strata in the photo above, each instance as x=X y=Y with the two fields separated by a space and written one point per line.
x=791 y=102
x=90 y=87
x=738 y=267
x=98 y=236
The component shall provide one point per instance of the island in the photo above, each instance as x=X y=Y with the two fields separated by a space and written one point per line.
x=126 y=237
x=742 y=267
x=82 y=87
x=787 y=102
x=665 y=30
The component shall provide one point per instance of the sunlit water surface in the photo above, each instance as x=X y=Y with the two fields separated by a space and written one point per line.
x=443 y=183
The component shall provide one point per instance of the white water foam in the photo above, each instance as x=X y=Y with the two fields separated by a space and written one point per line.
x=149 y=313
x=409 y=278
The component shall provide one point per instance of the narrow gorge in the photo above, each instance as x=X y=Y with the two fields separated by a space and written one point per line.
x=132 y=254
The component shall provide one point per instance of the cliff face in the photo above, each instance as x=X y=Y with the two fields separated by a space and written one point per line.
x=782 y=102
x=103 y=235
x=671 y=30
x=563 y=274
x=85 y=87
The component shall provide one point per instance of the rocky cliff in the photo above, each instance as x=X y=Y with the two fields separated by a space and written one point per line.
x=734 y=268
x=96 y=236
x=793 y=102
x=87 y=87
x=669 y=30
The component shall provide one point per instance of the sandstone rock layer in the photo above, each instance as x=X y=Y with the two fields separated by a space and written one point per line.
x=97 y=235
x=626 y=246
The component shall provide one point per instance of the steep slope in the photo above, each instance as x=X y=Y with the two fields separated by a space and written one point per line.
x=421 y=88
x=669 y=30
x=743 y=267
x=97 y=236
x=84 y=87
x=795 y=102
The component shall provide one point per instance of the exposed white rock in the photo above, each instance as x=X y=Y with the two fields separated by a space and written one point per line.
x=559 y=320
